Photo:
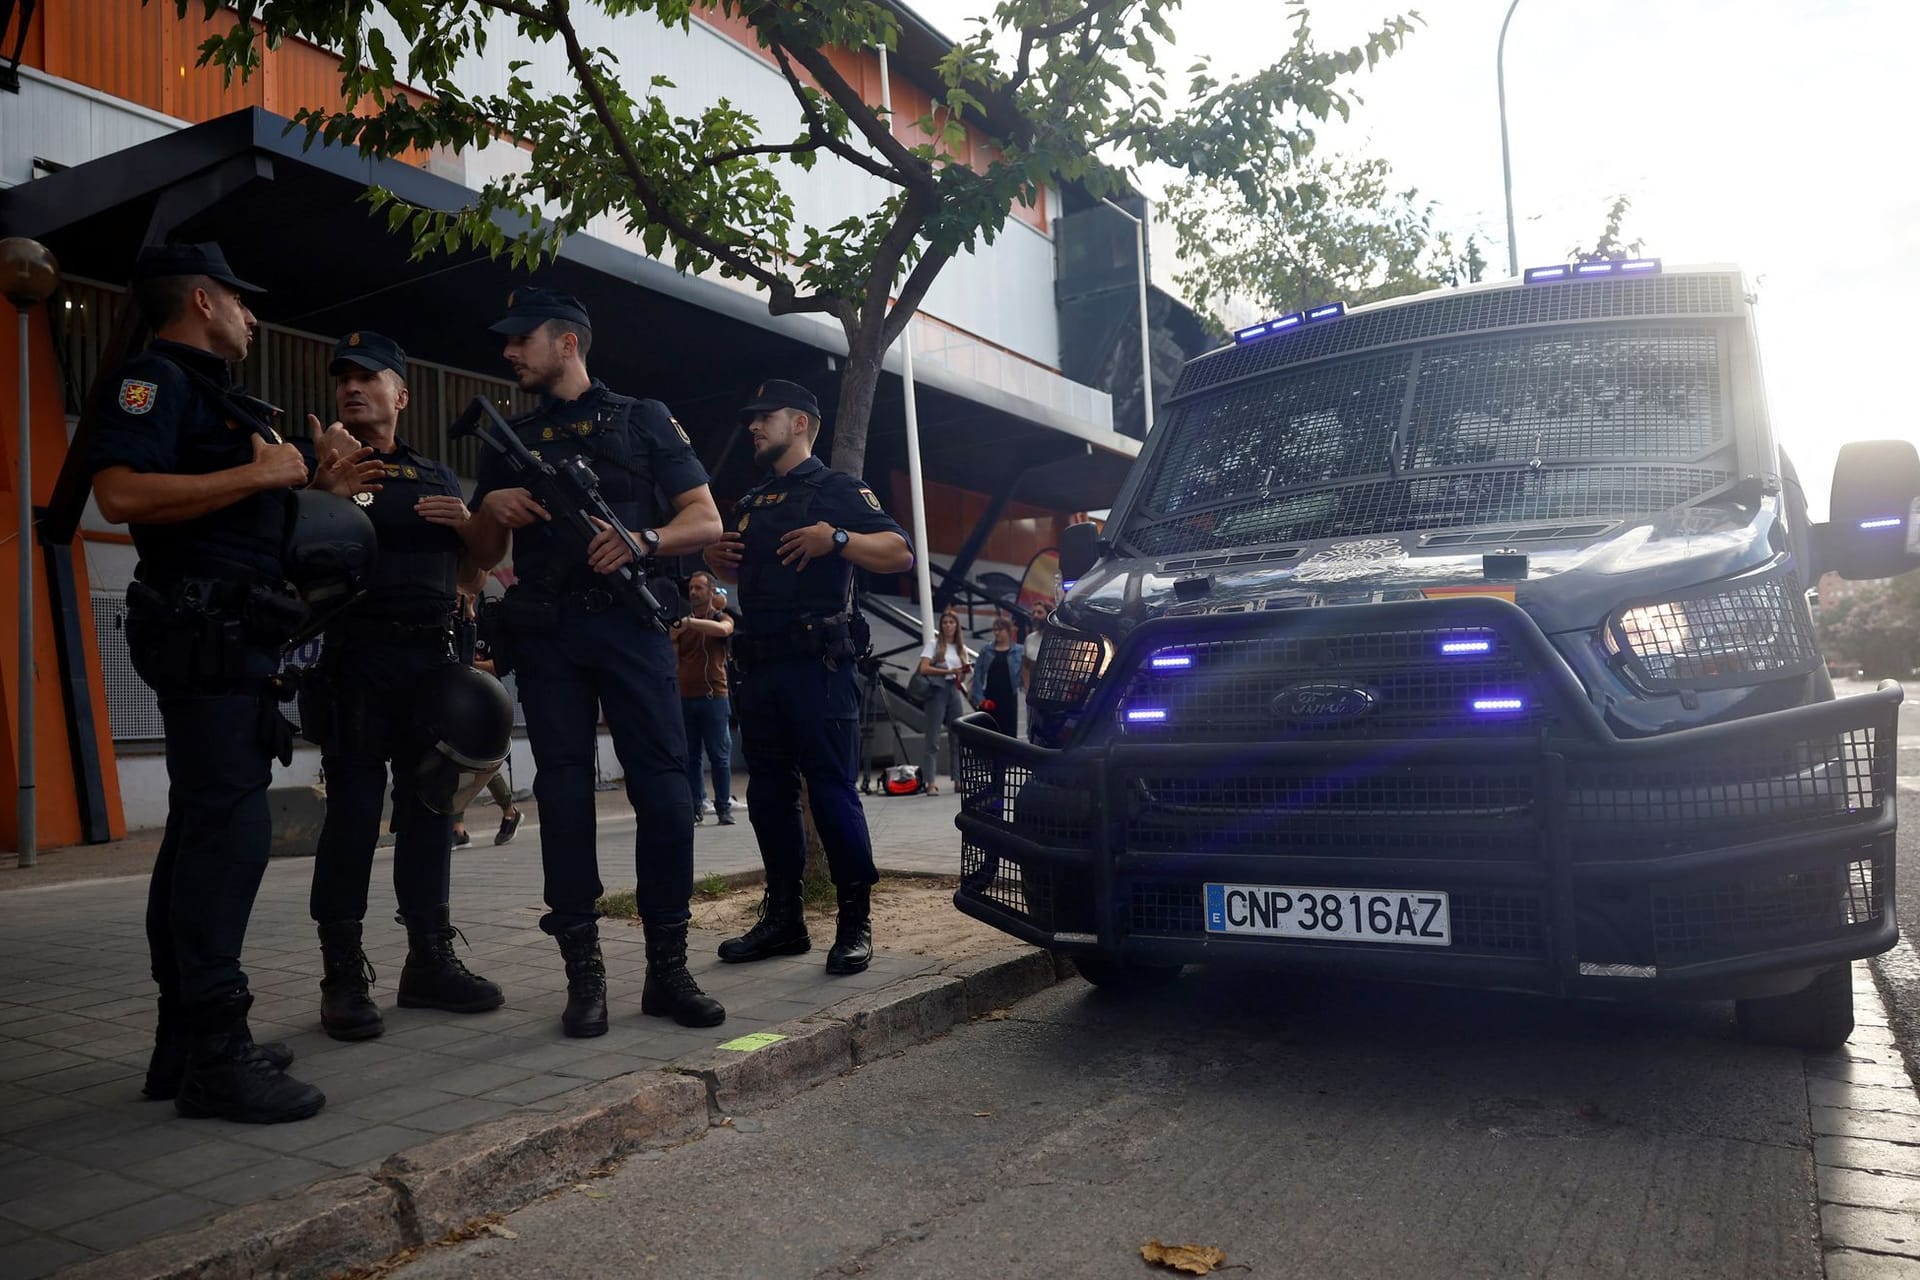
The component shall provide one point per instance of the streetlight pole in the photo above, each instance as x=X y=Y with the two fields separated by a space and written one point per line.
x=1146 y=339
x=1506 y=155
x=28 y=273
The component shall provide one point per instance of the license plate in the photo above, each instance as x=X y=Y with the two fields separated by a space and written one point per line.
x=1417 y=916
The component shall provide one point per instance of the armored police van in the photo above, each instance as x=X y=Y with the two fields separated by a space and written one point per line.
x=1465 y=639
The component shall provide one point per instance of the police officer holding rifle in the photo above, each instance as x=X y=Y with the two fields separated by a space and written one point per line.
x=586 y=489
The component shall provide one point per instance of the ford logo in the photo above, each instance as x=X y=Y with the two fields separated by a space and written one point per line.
x=1321 y=704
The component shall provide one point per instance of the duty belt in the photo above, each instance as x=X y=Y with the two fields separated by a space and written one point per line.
x=358 y=632
x=802 y=638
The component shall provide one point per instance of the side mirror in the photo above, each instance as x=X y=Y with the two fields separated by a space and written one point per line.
x=1873 y=519
x=1079 y=551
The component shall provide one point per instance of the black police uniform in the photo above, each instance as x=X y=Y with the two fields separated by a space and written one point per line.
x=207 y=616
x=799 y=697
x=363 y=705
x=579 y=653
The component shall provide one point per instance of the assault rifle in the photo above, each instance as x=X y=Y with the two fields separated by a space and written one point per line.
x=570 y=492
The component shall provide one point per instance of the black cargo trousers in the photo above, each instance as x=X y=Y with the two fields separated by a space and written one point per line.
x=209 y=651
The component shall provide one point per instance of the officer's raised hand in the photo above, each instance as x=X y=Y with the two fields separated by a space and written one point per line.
x=512 y=508
x=277 y=466
x=343 y=466
x=801 y=547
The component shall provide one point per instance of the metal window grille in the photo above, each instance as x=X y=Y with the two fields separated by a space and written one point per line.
x=1721 y=636
x=1705 y=919
x=1064 y=671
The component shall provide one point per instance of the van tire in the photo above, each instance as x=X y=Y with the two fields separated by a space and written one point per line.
x=1119 y=975
x=1817 y=1017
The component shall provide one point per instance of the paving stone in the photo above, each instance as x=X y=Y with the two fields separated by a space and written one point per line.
x=1862 y=1097
x=458 y=1114
x=533 y=1089
x=1848 y=1227
x=211 y=1157
x=39 y=1256
x=66 y=1202
x=398 y=1104
x=1870 y=1190
x=366 y=1148
x=257 y=1182
x=1886 y=1126
x=1848 y=1264
x=166 y=1212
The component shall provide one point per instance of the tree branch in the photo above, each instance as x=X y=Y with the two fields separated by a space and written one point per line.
x=1030 y=36
x=913 y=171
x=780 y=289
x=912 y=293
x=823 y=135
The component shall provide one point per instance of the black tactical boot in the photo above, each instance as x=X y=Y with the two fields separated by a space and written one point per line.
x=852 y=948
x=347 y=1012
x=226 y=1078
x=433 y=977
x=169 y=1060
x=670 y=991
x=586 y=1012
x=780 y=931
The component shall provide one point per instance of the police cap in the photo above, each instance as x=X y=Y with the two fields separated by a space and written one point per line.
x=368 y=350
x=775 y=393
x=528 y=308
x=205 y=259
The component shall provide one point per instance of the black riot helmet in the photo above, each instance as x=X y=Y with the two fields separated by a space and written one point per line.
x=466 y=718
x=327 y=553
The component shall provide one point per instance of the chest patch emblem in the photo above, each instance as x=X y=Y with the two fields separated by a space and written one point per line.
x=364 y=499
x=137 y=396
x=743 y=521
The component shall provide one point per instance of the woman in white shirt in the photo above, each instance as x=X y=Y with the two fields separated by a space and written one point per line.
x=946 y=663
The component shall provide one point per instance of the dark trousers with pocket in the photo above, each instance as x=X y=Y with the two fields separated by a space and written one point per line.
x=376 y=724
x=221 y=736
x=569 y=673
x=800 y=718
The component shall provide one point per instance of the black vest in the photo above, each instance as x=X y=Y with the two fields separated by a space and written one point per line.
x=595 y=428
x=416 y=572
x=772 y=594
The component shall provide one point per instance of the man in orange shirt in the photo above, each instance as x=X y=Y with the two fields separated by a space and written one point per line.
x=700 y=639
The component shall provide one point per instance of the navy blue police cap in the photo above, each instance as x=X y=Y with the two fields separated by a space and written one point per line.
x=776 y=393
x=530 y=307
x=204 y=259
x=369 y=350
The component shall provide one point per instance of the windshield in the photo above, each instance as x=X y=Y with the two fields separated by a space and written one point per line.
x=1585 y=423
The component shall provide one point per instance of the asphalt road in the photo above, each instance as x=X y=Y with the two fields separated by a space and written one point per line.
x=1310 y=1129
x=1319 y=1129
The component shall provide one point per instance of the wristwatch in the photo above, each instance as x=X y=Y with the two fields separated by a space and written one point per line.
x=839 y=541
x=651 y=540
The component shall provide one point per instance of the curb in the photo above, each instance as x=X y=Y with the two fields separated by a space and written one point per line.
x=421 y=1194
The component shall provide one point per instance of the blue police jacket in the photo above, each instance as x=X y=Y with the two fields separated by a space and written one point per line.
x=156 y=419
x=772 y=594
x=638 y=450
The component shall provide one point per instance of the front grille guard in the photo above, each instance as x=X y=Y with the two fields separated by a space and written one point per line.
x=1771 y=834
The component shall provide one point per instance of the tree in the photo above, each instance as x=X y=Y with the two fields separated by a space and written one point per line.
x=1076 y=90
x=1315 y=231
x=1878 y=627
x=1610 y=247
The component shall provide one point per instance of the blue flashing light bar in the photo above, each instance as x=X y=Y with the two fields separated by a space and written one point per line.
x=1499 y=705
x=1591 y=270
x=1146 y=715
x=1292 y=320
x=1886 y=522
x=1069 y=585
x=1171 y=661
x=1451 y=647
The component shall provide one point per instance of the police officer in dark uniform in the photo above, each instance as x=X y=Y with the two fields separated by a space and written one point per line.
x=578 y=652
x=796 y=541
x=364 y=706
x=184 y=458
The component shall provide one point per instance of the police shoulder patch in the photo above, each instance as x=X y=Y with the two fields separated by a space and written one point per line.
x=684 y=438
x=868 y=494
x=137 y=396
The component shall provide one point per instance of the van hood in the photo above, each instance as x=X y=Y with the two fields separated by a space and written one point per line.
x=1568 y=585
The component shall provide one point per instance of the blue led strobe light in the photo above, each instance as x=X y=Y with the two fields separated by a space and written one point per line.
x=1455 y=647
x=1502 y=705
x=1171 y=661
x=1146 y=715
x=1885 y=522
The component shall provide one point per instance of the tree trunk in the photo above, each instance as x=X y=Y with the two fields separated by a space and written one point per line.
x=859 y=384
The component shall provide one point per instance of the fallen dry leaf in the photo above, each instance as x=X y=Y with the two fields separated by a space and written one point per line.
x=981 y=1115
x=1193 y=1259
x=997 y=1015
x=504 y=1233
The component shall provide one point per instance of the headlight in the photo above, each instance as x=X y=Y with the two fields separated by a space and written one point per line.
x=1069 y=665
x=1735 y=635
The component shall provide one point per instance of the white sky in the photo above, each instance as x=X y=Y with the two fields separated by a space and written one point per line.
x=1776 y=134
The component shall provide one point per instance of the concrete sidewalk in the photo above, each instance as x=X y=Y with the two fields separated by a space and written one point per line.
x=88 y=1167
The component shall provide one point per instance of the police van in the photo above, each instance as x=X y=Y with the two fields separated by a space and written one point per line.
x=1465 y=639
